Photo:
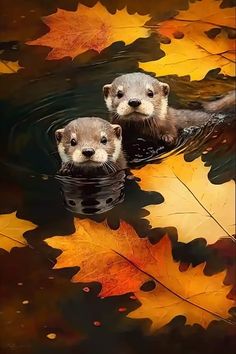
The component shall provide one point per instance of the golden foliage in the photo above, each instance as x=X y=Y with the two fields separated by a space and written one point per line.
x=12 y=230
x=73 y=33
x=122 y=262
x=9 y=67
x=195 y=206
x=199 y=298
x=191 y=51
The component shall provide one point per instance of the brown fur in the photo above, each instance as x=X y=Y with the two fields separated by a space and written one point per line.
x=87 y=132
x=162 y=122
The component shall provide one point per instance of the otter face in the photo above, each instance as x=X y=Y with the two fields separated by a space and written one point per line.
x=136 y=96
x=89 y=142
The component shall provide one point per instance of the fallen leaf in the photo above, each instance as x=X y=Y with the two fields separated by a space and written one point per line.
x=122 y=262
x=9 y=67
x=12 y=230
x=209 y=11
x=110 y=257
x=191 y=52
x=74 y=32
x=192 y=204
x=201 y=299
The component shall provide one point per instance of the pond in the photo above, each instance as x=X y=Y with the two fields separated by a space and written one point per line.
x=135 y=264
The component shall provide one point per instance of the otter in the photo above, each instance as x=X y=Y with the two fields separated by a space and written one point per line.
x=139 y=103
x=90 y=146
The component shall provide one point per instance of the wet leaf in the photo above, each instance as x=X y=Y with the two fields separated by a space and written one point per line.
x=209 y=11
x=191 y=51
x=9 y=67
x=110 y=257
x=122 y=263
x=74 y=32
x=12 y=230
x=192 y=204
x=199 y=298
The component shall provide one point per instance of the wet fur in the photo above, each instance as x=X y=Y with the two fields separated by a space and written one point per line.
x=87 y=132
x=165 y=122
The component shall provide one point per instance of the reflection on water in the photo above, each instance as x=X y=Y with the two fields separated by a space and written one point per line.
x=47 y=94
x=92 y=195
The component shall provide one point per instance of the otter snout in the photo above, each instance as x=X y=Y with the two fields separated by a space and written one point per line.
x=88 y=152
x=134 y=102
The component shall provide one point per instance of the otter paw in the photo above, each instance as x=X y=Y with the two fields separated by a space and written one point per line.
x=65 y=170
x=168 y=139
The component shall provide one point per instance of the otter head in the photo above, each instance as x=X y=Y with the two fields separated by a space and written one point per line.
x=137 y=97
x=89 y=142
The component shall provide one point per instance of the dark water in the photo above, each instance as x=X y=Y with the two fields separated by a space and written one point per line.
x=36 y=101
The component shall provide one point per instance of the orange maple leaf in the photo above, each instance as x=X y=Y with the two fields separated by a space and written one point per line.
x=74 y=32
x=122 y=262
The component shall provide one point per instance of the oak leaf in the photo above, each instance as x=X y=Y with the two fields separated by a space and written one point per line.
x=9 y=67
x=192 y=204
x=122 y=262
x=74 y=32
x=191 y=51
x=12 y=230
x=201 y=299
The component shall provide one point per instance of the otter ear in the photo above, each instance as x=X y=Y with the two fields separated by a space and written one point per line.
x=165 y=88
x=59 y=134
x=106 y=90
x=118 y=130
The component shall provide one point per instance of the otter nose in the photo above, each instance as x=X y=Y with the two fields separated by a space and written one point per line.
x=134 y=102
x=88 y=152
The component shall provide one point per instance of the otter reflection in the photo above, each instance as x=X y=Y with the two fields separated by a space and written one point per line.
x=95 y=195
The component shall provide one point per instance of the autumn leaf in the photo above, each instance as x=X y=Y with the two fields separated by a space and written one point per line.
x=201 y=299
x=192 y=204
x=74 y=32
x=9 y=67
x=110 y=257
x=209 y=11
x=122 y=262
x=191 y=51
x=12 y=230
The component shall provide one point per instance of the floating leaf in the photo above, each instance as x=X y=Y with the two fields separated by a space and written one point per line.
x=209 y=11
x=193 y=205
x=191 y=51
x=74 y=32
x=199 y=298
x=12 y=230
x=9 y=67
x=122 y=262
x=104 y=255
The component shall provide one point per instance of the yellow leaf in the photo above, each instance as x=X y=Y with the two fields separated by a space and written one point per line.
x=194 y=53
x=122 y=262
x=197 y=297
x=9 y=67
x=12 y=230
x=209 y=11
x=192 y=204
x=74 y=32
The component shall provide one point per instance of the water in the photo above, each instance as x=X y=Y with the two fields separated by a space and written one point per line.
x=36 y=101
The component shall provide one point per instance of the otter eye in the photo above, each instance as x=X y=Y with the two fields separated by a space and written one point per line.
x=150 y=93
x=104 y=140
x=120 y=94
x=73 y=142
